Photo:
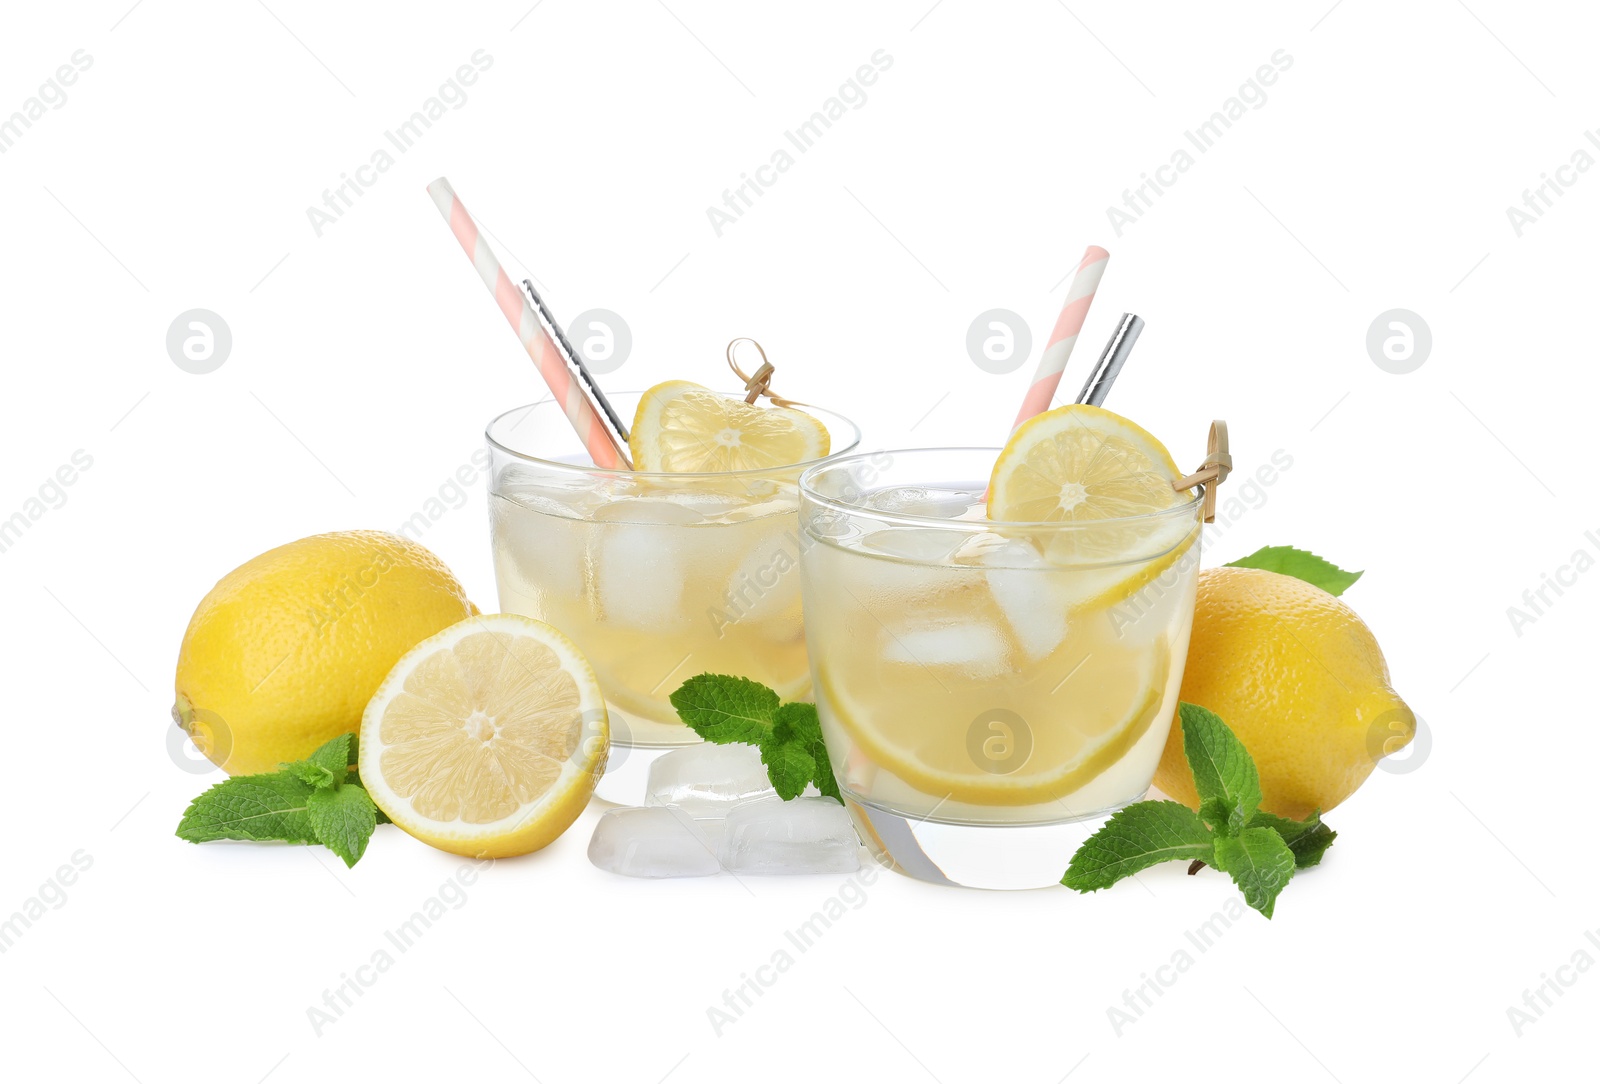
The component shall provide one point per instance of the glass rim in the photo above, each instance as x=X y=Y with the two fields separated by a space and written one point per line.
x=829 y=417
x=809 y=492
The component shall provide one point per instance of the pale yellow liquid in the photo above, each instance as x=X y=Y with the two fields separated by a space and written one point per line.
x=973 y=682
x=706 y=583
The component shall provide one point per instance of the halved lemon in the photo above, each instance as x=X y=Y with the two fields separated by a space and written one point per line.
x=486 y=739
x=1109 y=482
x=681 y=426
x=1093 y=718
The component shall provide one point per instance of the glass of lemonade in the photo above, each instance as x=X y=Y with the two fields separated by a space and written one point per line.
x=655 y=576
x=986 y=687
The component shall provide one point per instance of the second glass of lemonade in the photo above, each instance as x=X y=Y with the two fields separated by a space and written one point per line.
x=987 y=688
x=655 y=576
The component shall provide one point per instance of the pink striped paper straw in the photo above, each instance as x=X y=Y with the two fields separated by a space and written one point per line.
x=604 y=448
x=1080 y=295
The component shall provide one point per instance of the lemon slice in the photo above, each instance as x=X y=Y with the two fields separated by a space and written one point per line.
x=1105 y=708
x=1109 y=481
x=681 y=426
x=1081 y=463
x=486 y=739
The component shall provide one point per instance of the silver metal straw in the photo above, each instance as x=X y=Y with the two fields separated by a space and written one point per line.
x=574 y=362
x=1098 y=386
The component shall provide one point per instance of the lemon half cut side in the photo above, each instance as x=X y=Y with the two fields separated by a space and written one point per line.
x=486 y=739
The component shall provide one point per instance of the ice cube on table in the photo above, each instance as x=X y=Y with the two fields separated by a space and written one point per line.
x=805 y=835
x=706 y=780
x=922 y=501
x=642 y=560
x=978 y=651
x=652 y=841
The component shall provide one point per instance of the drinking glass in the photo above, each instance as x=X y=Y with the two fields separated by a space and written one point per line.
x=987 y=689
x=655 y=576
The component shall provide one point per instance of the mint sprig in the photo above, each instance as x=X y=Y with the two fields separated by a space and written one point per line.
x=1258 y=849
x=723 y=709
x=1300 y=564
x=316 y=800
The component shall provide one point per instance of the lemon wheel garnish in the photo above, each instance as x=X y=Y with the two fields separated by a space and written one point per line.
x=1089 y=734
x=1078 y=464
x=681 y=426
x=486 y=739
x=1107 y=482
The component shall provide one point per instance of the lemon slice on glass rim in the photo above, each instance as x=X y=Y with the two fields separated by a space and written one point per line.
x=681 y=427
x=487 y=738
x=1109 y=485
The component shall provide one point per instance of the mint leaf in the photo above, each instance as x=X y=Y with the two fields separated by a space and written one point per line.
x=1221 y=766
x=789 y=767
x=1300 y=564
x=725 y=709
x=354 y=778
x=326 y=767
x=1309 y=839
x=316 y=800
x=312 y=775
x=1137 y=837
x=343 y=818
x=336 y=755
x=721 y=708
x=1215 y=812
x=797 y=724
x=1260 y=863
x=258 y=807
x=1259 y=850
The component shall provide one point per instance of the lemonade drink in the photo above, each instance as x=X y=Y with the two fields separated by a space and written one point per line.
x=655 y=576
x=974 y=672
x=656 y=586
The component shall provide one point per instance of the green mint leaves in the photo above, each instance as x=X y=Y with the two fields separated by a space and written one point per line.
x=1301 y=565
x=1137 y=837
x=316 y=800
x=1224 y=774
x=1259 y=850
x=724 y=709
x=1259 y=862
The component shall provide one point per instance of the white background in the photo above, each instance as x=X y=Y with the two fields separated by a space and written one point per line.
x=365 y=362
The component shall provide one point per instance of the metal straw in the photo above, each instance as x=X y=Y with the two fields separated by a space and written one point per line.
x=574 y=362
x=1098 y=386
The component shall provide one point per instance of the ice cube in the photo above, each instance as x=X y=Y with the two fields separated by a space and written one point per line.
x=540 y=544
x=650 y=512
x=805 y=835
x=651 y=842
x=978 y=651
x=926 y=544
x=642 y=559
x=706 y=780
x=767 y=582
x=1035 y=601
x=921 y=501
x=553 y=495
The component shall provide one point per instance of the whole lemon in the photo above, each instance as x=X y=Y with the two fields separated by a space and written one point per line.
x=1299 y=678
x=285 y=651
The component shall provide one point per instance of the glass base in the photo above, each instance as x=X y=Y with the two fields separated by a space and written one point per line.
x=973 y=856
x=636 y=743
